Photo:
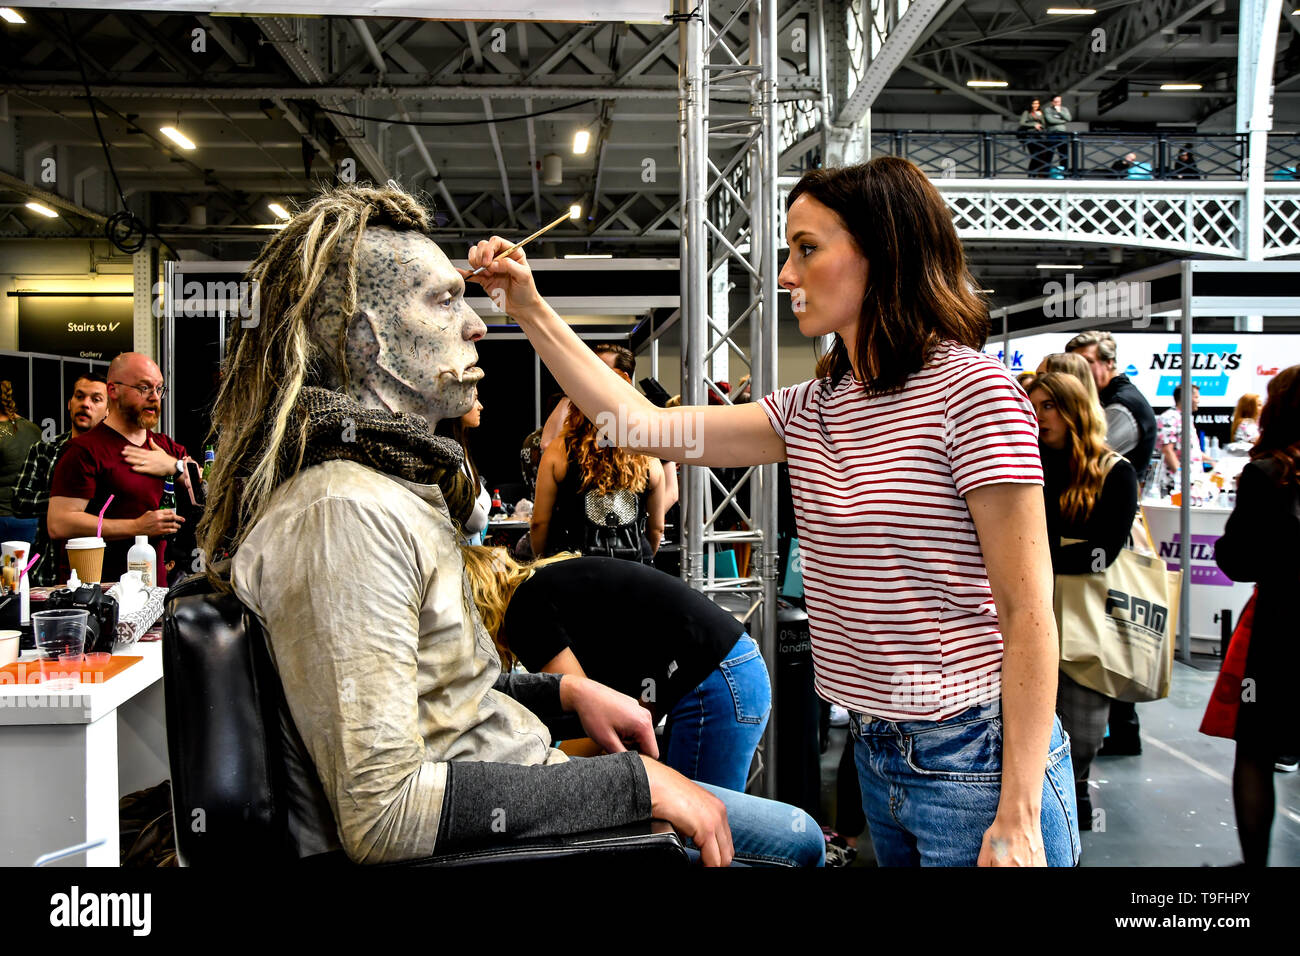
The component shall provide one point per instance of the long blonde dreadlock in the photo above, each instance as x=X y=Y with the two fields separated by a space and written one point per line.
x=269 y=361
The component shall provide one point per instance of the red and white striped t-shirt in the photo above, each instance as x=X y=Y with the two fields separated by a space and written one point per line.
x=902 y=618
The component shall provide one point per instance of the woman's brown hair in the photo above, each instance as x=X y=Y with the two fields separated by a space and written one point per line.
x=602 y=466
x=1247 y=407
x=1279 y=424
x=919 y=290
x=8 y=407
x=1090 y=458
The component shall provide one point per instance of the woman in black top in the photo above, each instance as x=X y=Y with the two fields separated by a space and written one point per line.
x=1091 y=496
x=671 y=648
x=1262 y=543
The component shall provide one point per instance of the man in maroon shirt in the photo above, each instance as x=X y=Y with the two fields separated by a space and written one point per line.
x=122 y=457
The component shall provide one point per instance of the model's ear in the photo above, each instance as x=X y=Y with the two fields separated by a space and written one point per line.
x=359 y=348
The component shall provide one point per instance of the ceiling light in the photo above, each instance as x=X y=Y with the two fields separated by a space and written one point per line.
x=987 y=83
x=1070 y=11
x=1180 y=86
x=177 y=137
x=588 y=255
x=280 y=211
x=581 y=140
x=575 y=211
x=988 y=291
x=10 y=15
x=1059 y=265
x=43 y=209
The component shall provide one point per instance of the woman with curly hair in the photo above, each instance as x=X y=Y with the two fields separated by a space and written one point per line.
x=1091 y=497
x=594 y=497
x=1261 y=543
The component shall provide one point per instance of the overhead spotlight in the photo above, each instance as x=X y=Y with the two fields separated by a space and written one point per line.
x=1070 y=11
x=988 y=291
x=280 y=211
x=177 y=137
x=581 y=140
x=1180 y=86
x=993 y=84
x=1059 y=265
x=43 y=209
x=10 y=15
x=588 y=255
x=575 y=211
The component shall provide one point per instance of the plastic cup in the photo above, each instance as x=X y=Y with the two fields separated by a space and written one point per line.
x=9 y=641
x=86 y=557
x=60 y=634
x=98 y=661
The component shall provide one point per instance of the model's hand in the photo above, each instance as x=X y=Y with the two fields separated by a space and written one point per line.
x=150 y=461
x=509 y=282
x=692 y=810
x=159 y=524
x=1013 y=843
x=608 y=717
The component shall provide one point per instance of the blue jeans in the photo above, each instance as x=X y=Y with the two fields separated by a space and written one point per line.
x=930 y=788
x=19 y=529
x=713 y=731
x=768 y=833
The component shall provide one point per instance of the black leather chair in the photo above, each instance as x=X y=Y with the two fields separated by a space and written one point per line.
x=228 y=765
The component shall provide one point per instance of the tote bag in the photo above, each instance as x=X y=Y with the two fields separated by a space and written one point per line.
x=1118 y=627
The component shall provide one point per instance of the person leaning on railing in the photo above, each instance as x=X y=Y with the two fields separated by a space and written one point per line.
x=1031 y=126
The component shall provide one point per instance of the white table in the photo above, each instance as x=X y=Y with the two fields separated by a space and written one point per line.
x=67 y=756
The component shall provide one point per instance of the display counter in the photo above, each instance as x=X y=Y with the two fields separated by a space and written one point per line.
x=1212 y=591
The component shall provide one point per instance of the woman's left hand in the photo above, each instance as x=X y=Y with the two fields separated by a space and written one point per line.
x=1013 y=843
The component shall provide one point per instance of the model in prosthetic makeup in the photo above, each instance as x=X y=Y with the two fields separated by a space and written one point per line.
x=337 y=501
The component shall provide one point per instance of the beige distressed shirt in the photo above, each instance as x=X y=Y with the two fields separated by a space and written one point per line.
x=387 y=669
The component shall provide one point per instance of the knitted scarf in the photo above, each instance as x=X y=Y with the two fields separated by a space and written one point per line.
x=396 y=444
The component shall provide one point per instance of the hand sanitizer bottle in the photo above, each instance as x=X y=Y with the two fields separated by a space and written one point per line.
x=144 y=559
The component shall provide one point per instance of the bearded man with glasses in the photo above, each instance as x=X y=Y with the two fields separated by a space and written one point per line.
x=124 y=457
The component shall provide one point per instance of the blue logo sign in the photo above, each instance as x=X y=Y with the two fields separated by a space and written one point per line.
x=1131 y=371
x=1219 y=357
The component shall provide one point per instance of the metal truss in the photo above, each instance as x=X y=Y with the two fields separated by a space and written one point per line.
x=1122 y=33
x=951 y=67
x=729 y=175
x=879 y=34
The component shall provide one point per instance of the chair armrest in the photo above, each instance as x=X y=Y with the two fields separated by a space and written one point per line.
x=650 y=844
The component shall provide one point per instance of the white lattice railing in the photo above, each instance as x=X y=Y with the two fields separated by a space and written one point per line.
x=1186 y=218
x=1203 y=218
x=1282 y=219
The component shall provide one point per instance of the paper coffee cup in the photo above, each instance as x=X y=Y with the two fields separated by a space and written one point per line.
x=86 y=557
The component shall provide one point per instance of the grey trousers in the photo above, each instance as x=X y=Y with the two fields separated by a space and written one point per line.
x=1084 y=714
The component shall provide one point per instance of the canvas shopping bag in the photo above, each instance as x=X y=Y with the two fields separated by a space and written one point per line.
x=1118 y=627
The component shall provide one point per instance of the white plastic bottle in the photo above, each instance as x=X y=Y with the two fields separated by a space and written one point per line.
x=144 y=559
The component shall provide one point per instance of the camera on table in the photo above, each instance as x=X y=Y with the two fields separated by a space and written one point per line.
x=101 y=622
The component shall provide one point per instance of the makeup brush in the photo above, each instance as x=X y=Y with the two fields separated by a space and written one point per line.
x=574 y=212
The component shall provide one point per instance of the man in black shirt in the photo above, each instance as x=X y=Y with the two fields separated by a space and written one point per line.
x=1130 y=422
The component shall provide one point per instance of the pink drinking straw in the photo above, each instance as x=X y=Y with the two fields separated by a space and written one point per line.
x=99 y=529
x=35 y=558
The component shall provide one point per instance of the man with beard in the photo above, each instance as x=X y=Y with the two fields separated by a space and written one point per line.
x=125 y=458
x=86 y=408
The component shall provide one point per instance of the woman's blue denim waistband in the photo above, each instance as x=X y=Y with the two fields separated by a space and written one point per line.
x=867 y=724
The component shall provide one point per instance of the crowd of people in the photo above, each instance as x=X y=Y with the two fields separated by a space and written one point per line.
x=418 y=694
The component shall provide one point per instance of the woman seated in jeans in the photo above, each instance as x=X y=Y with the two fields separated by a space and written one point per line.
x=672 y=649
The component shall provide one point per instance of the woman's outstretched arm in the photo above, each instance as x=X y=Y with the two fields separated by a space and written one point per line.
x=719 y=435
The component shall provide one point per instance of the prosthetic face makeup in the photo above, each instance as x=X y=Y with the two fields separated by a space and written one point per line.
x=409 y=346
